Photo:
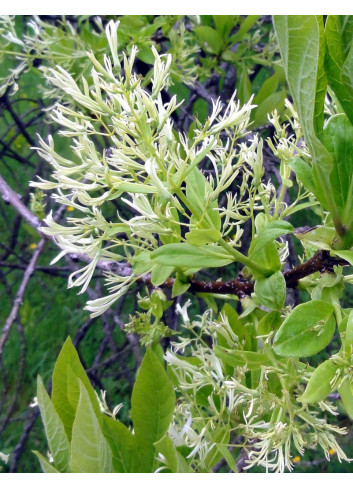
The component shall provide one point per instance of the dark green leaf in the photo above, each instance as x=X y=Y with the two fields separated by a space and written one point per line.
x=65 y=394
x=152 y=407
x=338 y=139
x=339 y=58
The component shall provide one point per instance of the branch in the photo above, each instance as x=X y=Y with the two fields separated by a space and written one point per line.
x=321 y=261
x=20 y=293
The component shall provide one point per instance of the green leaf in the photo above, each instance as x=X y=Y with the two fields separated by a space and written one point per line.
x=244 y=91
x=339 y=59
x=90 y=451
x=210 y=38
x=58 y=442
x=186 y=255
x=173 y=459
x=122 y=443
x=338 y=139
x=271 y=291
x=320 y=236
x=348 y=338
x=237 y=326
x=199 y=237
x=270 y=232
x=319 y=386
x=152 y=407
x=180 y=285
x=45 y=465
x=224 y=24
x=66 y=392
x=223 y=449
x=204 y=213
x=245 y=26
x=345 y=254
x=345 y=392
x=160 y=273
x=303 y=172
x=241 y=358
x=273 y=101
x=306 y=331
x=219 y=436
x=301 y=41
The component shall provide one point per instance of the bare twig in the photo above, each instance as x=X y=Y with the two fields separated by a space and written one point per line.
x=20 y=293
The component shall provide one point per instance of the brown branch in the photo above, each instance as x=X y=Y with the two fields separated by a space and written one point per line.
x=19 y=296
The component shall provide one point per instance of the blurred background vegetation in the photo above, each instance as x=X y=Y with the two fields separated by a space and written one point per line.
x=213 y=56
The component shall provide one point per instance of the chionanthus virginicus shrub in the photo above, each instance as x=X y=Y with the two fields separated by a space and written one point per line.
x=233 y=380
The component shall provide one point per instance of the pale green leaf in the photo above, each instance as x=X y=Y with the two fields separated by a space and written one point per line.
x=186 y=255
x=271 y=291
x=319 y=386
x=58 y=442
x=307 y=330
x=90 y=451
x=45 y=465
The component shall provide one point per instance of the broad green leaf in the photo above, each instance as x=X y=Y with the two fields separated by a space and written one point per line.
x=45 y=465
x=199 y=237
x=320 y=236
x=204 y=214
x=122 y=444
x=273 y=101
x=210 y=38
x=173 y=459
x=306 y=331
x=268 y=88
x=270 y=322
x=303 y=172
x=267 y=257
x=180 y=286
x=338 y=139
x=58 y=442
x=65 y=393
x=339 y=58
x=270 y=232
x=319 y=386
x=90 y=451
x=345 y=392
x=186 y=255
x=224 y=24
x=152 y=407
x=301 y=41
x=271 y=291
x=160 y=273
